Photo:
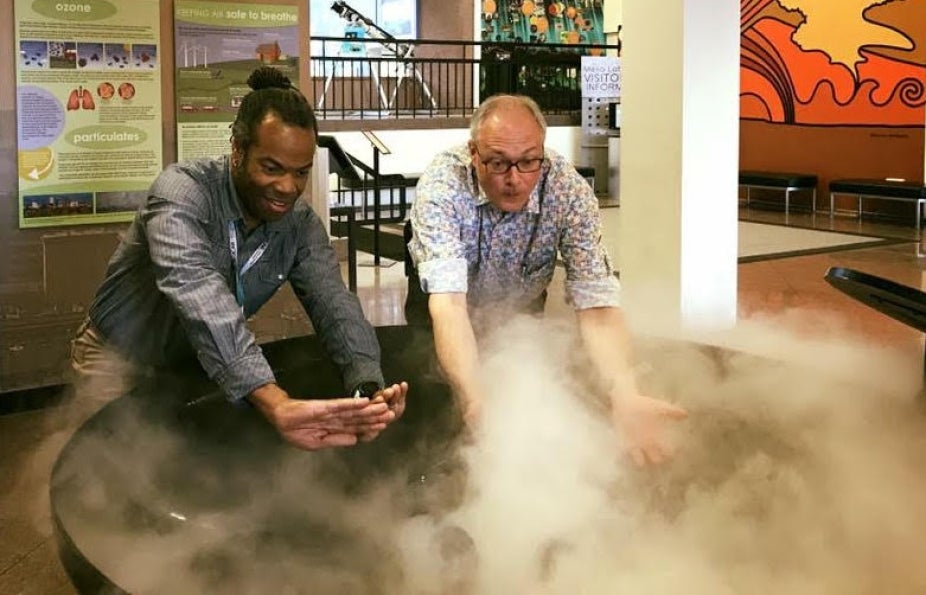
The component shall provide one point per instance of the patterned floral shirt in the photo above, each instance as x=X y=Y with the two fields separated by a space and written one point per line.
x=464 y=244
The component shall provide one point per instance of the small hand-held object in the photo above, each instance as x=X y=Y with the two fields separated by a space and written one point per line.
x=365 y=390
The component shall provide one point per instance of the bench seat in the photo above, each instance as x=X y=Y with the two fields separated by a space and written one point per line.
x=786 y=181
x=905 y=191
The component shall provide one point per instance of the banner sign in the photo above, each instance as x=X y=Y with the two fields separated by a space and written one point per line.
x=88 y=109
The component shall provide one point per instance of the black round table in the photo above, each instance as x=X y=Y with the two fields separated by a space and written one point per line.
x=172 y=471
x=170 y=489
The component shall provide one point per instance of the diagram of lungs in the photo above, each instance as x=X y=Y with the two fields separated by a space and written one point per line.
x=80 y=98
x=86 y=101
x=73 y=100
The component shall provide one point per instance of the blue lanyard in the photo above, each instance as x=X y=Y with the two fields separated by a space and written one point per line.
x=530 y=242
x=239 y=273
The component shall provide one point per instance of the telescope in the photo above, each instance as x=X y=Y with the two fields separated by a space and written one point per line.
x=374 y=31
x=403 y=51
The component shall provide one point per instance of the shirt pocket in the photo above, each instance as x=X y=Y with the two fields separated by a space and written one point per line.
x=537 y=276
x=539 y=264
x=265 y=281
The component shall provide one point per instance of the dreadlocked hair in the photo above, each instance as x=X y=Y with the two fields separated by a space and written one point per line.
x=272 y=93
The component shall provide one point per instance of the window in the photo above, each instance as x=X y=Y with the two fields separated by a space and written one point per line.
x=338 y=18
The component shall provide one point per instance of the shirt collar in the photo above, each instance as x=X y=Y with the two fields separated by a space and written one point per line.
x=533 y=202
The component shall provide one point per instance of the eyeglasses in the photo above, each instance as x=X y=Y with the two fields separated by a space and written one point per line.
x=497 y=165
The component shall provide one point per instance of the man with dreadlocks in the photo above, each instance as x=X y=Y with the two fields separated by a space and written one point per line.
x=214 y=241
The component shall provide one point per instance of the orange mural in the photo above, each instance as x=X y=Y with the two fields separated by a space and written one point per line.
x=833 y=62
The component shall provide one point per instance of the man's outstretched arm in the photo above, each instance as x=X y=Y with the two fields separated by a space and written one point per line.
x=457 y=351
x=641 y=421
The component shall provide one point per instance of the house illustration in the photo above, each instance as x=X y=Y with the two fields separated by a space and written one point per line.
x=269 y=52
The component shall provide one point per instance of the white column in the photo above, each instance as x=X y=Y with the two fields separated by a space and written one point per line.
x=318 y=189
x=611 y=14
x=679 y=161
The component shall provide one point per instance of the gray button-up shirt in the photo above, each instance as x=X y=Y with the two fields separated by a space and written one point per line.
x=169 y=292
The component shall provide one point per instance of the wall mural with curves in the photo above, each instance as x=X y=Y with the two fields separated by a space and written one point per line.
x=833 y=87
x=823 y=62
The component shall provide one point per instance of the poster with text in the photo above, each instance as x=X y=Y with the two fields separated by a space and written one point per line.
x=88 y=109
x=217 y=46
x=601 y=77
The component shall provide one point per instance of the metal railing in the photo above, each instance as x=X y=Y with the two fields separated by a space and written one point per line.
x=362 y=79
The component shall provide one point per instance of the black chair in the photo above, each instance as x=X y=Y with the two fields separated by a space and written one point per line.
x=416 y=300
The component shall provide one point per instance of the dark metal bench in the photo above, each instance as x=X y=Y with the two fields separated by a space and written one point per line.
x=897 y=190
x=787 y=181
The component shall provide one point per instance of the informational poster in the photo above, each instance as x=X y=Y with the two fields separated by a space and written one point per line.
x=218 y=45
x=88 y=109
x=601 y=77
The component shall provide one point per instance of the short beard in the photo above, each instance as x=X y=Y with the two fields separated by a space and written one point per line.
x=242 y=182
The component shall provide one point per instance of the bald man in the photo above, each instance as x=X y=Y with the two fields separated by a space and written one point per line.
x=488 y=221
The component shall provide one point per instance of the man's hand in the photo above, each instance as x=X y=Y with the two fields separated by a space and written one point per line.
x=642 y=423
x=321 y=423
x=472 y=413
x=458 y=354
x=473 y=423
x=394 y=398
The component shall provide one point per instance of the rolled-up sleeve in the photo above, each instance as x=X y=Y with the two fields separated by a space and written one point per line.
x=590 y=280
x=437 y=246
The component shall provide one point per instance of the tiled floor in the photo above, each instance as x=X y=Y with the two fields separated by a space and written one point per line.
x=29 y=443
x=795 y=287
x=791 y=289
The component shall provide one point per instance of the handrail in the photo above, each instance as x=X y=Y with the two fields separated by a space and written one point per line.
x=578 y=47
x=359 y=81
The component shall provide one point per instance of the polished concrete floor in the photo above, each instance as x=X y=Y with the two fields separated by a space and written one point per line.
x=791 y=290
